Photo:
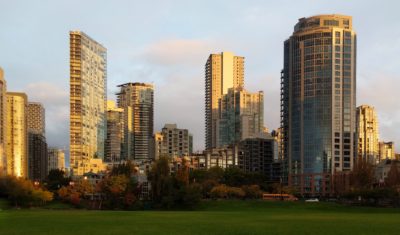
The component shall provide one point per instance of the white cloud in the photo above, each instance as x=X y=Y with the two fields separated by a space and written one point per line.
x=55 y=99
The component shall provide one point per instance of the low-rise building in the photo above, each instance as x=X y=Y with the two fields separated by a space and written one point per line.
x=383 y=168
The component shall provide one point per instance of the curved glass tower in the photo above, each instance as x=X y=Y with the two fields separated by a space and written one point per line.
x=318 y=98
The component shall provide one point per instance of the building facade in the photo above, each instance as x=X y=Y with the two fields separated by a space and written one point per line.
x=88 y=91
x=241 y=116
x=258 y=155
x=56 y=159
x=17 y=134
x=37 y=146
x=137 y=101
x=222 y=71
x=3 y=115
x=173 y=142
x=318 y=98
x=36 y=118
x=386 y=151
x=367 y=134
x=221 y=157
x=115 y=133
x=37 y=157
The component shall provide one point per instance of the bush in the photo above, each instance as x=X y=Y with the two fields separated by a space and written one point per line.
x=192 y=196
x=22 y=192
x=225 y=192
x=252 y=191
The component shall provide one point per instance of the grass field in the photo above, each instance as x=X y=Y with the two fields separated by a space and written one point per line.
x=216 y=217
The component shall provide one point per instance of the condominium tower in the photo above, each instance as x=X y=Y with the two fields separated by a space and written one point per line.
x=222 y=71
x=16 y=134
x=137 y=101
x=37 y=146
x=386 y=151
x=318 y=98
x=172 y=142
x=88 y=85
x=367 y=134
x=56 y=159
x=3 y=115
x=241 y=116
x=115 y=132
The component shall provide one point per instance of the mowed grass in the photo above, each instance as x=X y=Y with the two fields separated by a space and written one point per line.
x=215 y=217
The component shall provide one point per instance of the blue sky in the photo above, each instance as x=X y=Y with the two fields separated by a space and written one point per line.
x=168 y=42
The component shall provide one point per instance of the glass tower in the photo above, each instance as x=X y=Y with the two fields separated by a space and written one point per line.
x=318 y=97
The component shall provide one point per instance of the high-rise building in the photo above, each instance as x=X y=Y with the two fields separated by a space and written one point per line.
x=37 y=157
x=37 y=146
x=36 y=118
x=158 y=145
x=258 y=155
x=3 y=115
x=222 y=71
x=241 y=116
x=318 y=98
x=56 y=159
x=115 y=132
x=137 y=101
x=88 y=86
x=172 y=142
x=17 y=134
x=277 y=134
x=386 y=151
x=367 y=134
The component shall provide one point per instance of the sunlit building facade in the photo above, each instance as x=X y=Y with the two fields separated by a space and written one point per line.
x=173 y=142
x=318 y=102
x=222 y=72
x=56 y=160
x=386 y=151
x=3 y=115
x=367 y=134
x=17 y=134
x=137 y=101
x=88 y=89
x=115 y=132
x=241 y=116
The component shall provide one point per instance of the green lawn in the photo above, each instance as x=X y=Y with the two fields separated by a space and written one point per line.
x=222 y=217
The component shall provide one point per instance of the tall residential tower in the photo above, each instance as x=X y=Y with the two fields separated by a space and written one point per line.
x=137 y=102
x=241 y=116
x=88 y=90
x=37 y=146
x=222 y=71
x=367 y=134
x=17 y=134
x=318 y=102
x=3 y=115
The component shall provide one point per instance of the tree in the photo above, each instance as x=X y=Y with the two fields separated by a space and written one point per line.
x=215 y=173
x=362 y=174
x=22 y=192
x=56 y=179
x=393 y=177
x=127 y=169
x=252 y=191
x=160 y=179
x=182 y=174
x=233 y=176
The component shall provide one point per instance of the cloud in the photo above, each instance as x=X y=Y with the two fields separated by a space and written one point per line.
x=56 y=102
x=379 y=89
x=178 y=52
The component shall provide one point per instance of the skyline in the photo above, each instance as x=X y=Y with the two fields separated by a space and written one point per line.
x=177 y=56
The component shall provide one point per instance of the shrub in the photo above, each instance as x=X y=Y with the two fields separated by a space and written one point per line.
x=252 y=191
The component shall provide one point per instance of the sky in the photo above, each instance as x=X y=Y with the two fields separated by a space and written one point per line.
x=167 y=43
